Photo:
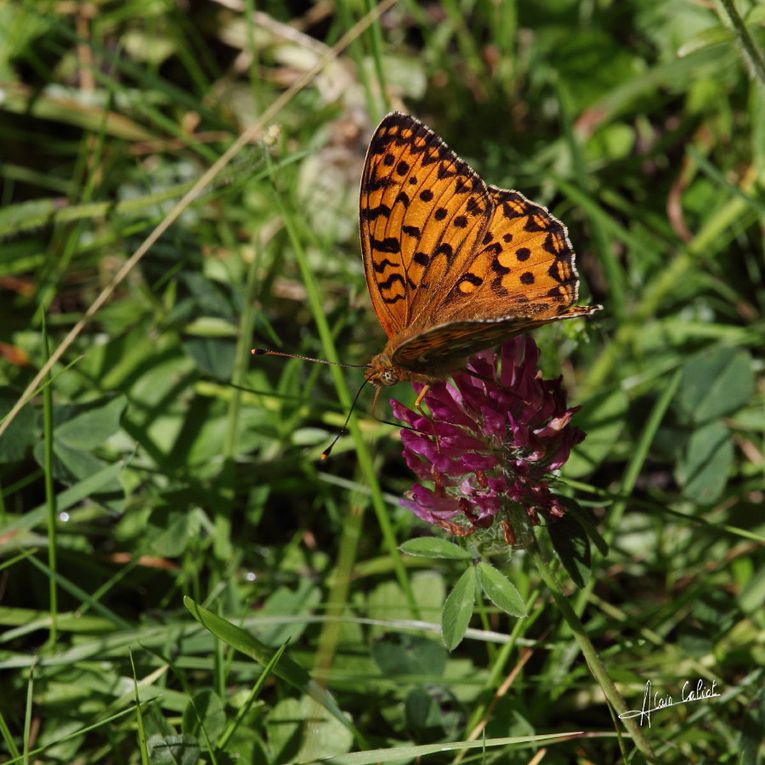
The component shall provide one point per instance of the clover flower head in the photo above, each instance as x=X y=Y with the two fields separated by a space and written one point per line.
x=490 y=443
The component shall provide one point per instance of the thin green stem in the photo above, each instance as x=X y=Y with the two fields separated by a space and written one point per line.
x=356 y=50
x=28 y=713
x=616 y=510
x=362 y=452
x=242 y=356
x=339 y=588
x=375 y=35
x=640 y=453
x=752 y=53
x=50 y=494
x=594 y=662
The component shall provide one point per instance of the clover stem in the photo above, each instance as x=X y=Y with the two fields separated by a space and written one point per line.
x=594 y=662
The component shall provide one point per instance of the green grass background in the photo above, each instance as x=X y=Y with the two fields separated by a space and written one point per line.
x=158 y=460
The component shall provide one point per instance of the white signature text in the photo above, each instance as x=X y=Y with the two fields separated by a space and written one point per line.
x=653 y=701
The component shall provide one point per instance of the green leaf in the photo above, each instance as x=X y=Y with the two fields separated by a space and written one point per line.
x=88 y=427
x=287 y=669
x=602 y=418
x=715 y=382
x=500 y=590
x=299 y=730
x=20 y=435
x=284 y=601
x=710 y=36
x=213 y=355
x=173 y=750
x=752 y=596
x=705 y=464
x=432 y=710
x=402 y=654
x=573 y=548
x=587 y=522
x=178 y=530
x=458 y=609
x=434 y=547
x=204 y=710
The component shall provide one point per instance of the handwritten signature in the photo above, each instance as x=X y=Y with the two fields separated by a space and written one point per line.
x=654 y=702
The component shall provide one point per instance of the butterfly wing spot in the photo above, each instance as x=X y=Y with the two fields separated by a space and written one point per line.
x=523 y=253
x=535 y=222
x=373 y=213
x=527 y=277
x=392 y=289
x=381 y=265
x=468 y=283
x=473 y=207
x=389 y=245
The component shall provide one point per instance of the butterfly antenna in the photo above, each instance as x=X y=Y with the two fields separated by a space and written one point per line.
x=344 y=430
x=268 y=352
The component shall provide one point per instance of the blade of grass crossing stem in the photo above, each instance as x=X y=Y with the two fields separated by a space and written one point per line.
x=50 y=494
x=80 y=594
x=242 y=355
x=594 y=662
x=288 y=669
x=245 y=708
x=635 y=465
x=142 y=746
x=330 y=352
x=69 y=736
x=752 y=53
x=631 y=472
x=8 y=738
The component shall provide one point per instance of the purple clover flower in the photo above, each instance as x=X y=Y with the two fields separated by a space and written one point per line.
x=490 y=443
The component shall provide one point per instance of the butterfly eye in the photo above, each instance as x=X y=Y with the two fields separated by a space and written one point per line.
x=388 y=377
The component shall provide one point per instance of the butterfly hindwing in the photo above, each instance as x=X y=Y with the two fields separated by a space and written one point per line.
x=443 y=347
x=422 y=212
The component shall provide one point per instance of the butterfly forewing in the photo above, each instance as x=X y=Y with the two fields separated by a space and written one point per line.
x=453 y=265
x=422 y=212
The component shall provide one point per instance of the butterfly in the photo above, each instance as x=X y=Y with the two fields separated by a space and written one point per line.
x=453 y=265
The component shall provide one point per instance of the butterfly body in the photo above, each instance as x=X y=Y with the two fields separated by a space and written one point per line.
x=453 y=265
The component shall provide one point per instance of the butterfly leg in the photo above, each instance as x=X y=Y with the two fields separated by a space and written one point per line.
x=375 y=400
x=420 y=396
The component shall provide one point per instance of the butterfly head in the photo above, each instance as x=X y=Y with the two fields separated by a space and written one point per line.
x=382 y=372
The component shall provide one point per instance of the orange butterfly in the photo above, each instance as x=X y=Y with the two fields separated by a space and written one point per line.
x=453 y=265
